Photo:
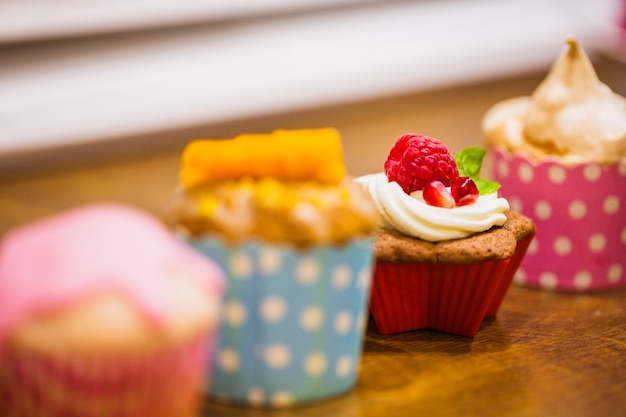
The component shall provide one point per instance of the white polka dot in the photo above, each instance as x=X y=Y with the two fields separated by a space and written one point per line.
x=543 y=210
x=615 y=273
x=562 y=246
x=343 y=367
x=269 y=261
x=364 y=278
x=520 y=276
x=525 y=173
x=282 y=398
x=597 y=242
x=315 y=364
x=256 y=396
x=623 y=236
x=307 y=271
x=533 y=247
x=611 y=204
x=582 y=280
x=343 y=322
x=273 y=309
x=557 y=174
x=241 y=266
x=622 y=167
x=235 y=313
x=592 y=173
x=503 y=169
x=228 y=360
x=548 y=280
x=516 y=204
x=341 y=277
x=577 y=209
x=311 y=318
x=277 y=356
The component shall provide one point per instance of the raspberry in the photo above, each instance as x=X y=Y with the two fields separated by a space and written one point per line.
x=416 y=160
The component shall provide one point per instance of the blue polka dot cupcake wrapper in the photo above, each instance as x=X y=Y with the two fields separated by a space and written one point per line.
x=293 y=321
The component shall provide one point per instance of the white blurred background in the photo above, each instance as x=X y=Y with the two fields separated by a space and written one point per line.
x=81 y=71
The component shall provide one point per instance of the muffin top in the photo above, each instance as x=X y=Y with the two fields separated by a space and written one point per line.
x=436 y=208
x=289 y=186
x=108 y=268
x=571 y=116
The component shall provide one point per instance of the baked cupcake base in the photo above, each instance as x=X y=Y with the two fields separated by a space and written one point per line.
x=449 y=286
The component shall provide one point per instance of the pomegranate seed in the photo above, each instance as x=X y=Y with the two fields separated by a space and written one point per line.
x=464 y=191
x=435 y=193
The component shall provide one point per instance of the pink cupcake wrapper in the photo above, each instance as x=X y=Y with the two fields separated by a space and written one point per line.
x=446 y=297
x=161 y=384
x=580 y=215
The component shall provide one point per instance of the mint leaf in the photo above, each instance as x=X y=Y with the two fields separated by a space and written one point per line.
x=469 y=162
x=486 y=186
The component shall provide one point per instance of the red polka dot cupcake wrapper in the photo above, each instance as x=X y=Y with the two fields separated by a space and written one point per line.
x=580 y=214
x=164 y=384
x=293 y=322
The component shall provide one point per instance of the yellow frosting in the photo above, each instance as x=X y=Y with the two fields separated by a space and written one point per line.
x=290 y=155
x=302 y=213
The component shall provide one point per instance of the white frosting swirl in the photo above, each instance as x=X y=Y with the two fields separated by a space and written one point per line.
x=410 y=215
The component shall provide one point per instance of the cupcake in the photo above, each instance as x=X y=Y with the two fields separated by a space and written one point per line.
x=294 y=236
x=447 y=247
x=561 y=157
x=103 y=312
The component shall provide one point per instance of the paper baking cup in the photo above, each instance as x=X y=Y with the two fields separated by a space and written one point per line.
x=452 y=298
x=163 y=384
x=293 y=322
x=580 y=214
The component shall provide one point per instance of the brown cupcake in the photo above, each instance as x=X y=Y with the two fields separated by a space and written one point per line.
x=444 y=267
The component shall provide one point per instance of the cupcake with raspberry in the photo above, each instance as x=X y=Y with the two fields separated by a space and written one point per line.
x=447 y=247
x=104 y=312
x=294 y=236
x=561 y=156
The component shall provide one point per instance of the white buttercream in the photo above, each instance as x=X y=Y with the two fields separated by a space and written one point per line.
x=411 y=216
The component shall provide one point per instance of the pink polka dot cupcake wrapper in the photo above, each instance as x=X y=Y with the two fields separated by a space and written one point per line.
x=580 y=214
x=161 y=384
x=293 y=322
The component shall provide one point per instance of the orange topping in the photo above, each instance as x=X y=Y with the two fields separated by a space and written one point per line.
x=291 y=155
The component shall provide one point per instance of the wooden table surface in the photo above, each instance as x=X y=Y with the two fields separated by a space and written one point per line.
x=544 y=354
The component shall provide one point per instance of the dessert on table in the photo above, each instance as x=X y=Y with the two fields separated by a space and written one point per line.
x=294 y=235
x=560 y=154
x=448 y=246
x=103 y=311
